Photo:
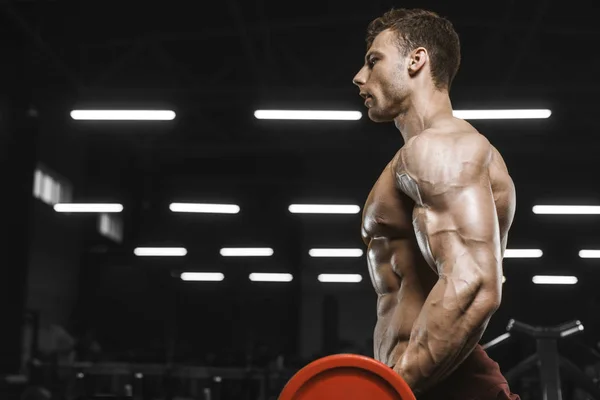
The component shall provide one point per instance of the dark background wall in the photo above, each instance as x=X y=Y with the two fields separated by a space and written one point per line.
x=214 y=70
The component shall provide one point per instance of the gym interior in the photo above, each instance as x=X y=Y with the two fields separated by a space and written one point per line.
x=185 y=183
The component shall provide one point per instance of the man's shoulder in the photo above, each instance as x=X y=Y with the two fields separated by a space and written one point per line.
x=448 y=147
x=443 y=157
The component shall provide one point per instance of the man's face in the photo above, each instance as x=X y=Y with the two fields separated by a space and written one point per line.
x=383 y=80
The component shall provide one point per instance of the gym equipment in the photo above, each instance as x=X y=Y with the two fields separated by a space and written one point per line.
x=551 y=364
x=346 y=377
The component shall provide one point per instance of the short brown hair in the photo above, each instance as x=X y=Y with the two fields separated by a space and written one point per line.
x=416 y=28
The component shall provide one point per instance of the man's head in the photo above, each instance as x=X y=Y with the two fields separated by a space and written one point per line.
x=406 y=49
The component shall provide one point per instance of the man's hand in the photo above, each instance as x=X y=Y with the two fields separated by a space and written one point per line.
x=410 y=380
x=456 y=224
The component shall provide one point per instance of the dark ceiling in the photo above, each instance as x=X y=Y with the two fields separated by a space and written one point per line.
x=214 y=63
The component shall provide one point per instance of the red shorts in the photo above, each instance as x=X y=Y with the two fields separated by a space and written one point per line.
x=477 y=378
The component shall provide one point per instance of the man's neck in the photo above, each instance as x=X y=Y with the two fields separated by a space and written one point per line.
x=423 y=110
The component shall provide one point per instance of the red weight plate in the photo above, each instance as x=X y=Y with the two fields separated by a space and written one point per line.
x=346 y=377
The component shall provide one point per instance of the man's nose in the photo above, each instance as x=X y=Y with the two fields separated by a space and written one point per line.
x=359 y=78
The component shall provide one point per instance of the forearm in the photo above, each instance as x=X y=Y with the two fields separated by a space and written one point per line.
x=448 y=328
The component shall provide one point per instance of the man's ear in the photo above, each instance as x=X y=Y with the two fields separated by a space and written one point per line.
x=418 y=58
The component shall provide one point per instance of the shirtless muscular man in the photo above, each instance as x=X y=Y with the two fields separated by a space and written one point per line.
x=436 y=221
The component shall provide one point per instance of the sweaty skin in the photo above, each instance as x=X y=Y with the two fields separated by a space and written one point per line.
x=436 y=225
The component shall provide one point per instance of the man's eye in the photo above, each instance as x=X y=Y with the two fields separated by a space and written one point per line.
x=372 y=61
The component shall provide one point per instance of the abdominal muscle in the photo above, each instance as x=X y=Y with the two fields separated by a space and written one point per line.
x=397 y=312
x=392 y=332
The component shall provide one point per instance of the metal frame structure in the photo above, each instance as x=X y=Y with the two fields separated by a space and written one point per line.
x=552 y=365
